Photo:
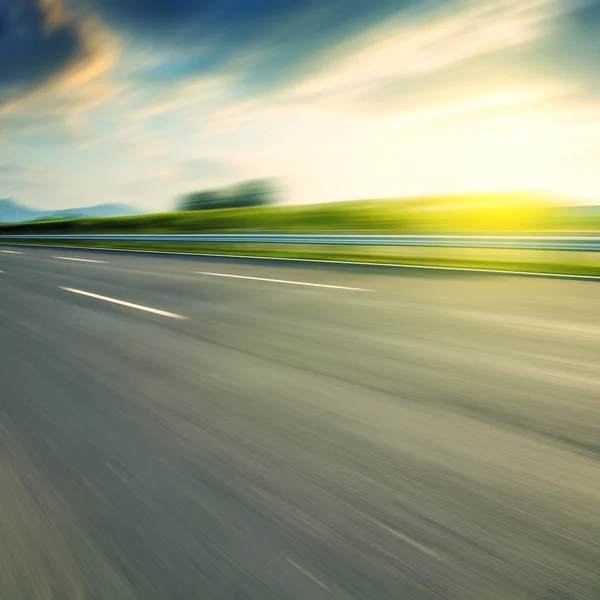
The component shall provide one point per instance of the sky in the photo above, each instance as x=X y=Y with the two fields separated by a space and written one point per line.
x=141 y=101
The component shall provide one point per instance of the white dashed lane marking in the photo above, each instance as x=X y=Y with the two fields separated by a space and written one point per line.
x=319 y=285
x=86 y=260
x=162 y=313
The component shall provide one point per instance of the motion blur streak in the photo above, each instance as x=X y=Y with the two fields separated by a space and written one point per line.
x=437 y=438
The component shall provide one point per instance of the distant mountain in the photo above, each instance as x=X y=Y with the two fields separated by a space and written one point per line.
x=12 y=212
x=90 y=212
x=110 y=210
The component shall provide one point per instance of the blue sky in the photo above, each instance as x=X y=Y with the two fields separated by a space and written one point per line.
x=139 y=101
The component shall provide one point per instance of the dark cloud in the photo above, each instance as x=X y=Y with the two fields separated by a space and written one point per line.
x=571 y=51
x=35 y=44
x=276 y=37
x=587 y=14
x=191 y=20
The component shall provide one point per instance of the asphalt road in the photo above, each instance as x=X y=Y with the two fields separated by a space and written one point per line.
x=431 y=435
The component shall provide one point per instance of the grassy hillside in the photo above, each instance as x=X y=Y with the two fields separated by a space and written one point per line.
x=491 y=212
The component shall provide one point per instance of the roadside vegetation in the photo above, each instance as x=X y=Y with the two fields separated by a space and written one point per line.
x=476 y=214
x=543 y=261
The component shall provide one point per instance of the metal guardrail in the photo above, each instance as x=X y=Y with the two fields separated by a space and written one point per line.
x=585 y=243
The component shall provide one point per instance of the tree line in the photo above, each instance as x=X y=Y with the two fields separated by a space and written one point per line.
x=256 y=192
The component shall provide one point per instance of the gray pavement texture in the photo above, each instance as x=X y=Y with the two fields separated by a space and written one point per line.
x=434 y=437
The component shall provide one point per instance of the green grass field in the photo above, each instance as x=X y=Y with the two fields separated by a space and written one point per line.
x=488 y=213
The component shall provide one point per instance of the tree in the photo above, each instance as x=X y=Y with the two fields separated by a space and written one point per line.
x=200 y=200
x=256 y=192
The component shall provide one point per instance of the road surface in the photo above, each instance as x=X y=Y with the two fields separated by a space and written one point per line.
x=176 y=428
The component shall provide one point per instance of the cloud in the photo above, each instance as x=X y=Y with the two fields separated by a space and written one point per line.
x=186 y=21
x=266 y=41
x=315 y=47
x=10 y=170
x=18 y=177
x=154 y=183
x=206 y=170
x=42 y=44
x=415 y=56
x=54 y=67
x=44 y=125
x=347 y=98
x=587 y=13
x=411 y=58
x=573 y=49
x=35 y=43
x=25 y=171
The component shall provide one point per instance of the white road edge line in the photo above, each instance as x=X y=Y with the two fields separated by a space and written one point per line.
x=330 y=262
x=155 y=311
x=10 y=252
x=320 y=285
x=374 y=264
x=87 y=260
